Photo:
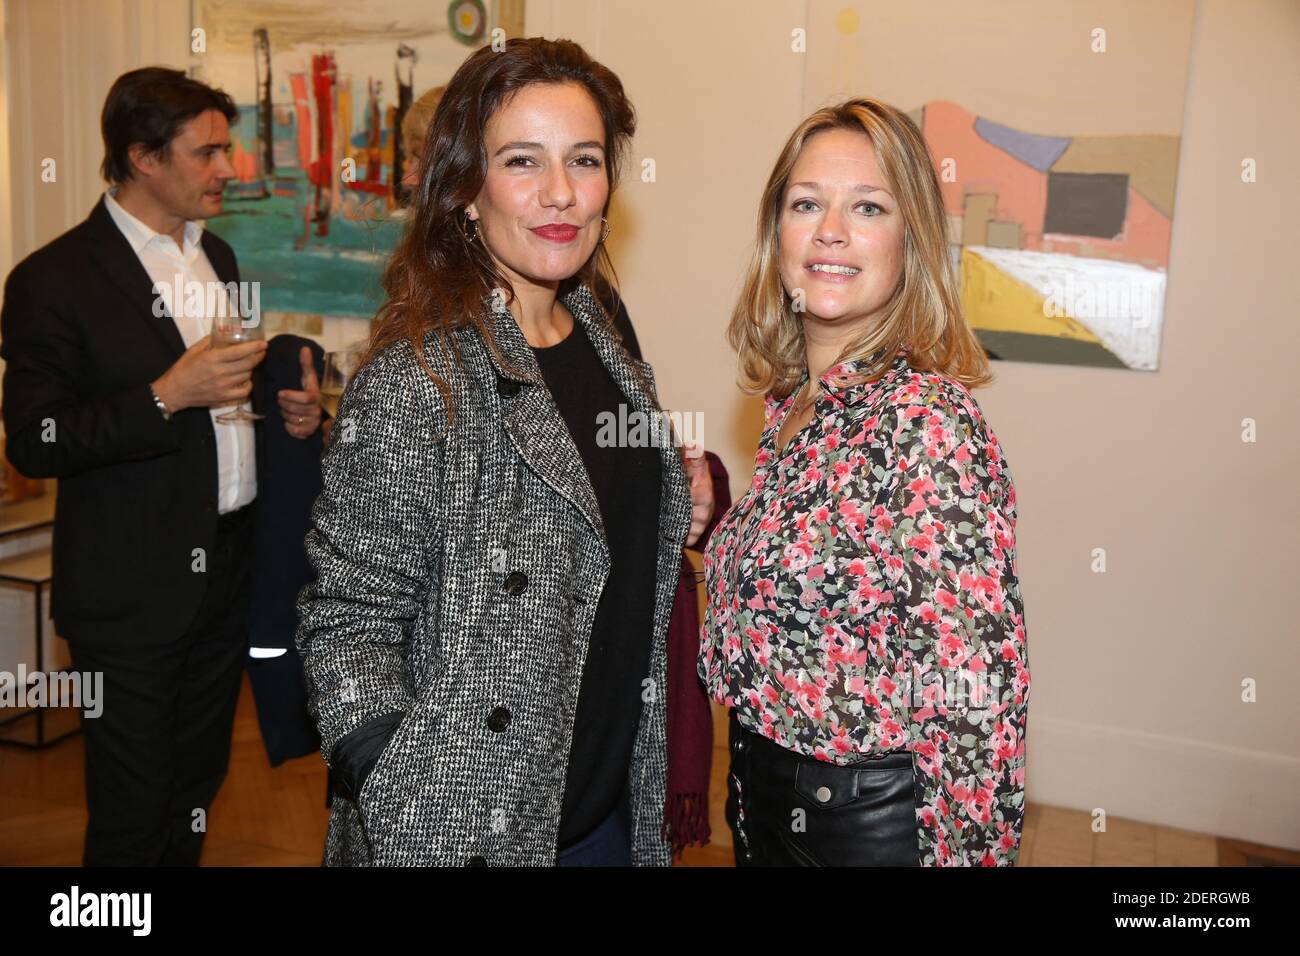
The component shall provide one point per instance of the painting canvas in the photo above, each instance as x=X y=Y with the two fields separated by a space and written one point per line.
x=1055 y=133
x=321 y=90
x=1062 y=242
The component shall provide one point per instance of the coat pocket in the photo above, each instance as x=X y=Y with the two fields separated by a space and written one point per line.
x=378 y=791
x=404 y=770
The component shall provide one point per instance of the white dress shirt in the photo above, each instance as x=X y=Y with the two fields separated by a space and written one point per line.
x=167 y=265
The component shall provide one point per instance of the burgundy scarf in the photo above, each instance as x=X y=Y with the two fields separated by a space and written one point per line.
x=690 y=721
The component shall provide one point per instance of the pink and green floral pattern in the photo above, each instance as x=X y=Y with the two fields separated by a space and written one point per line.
x=863 y=597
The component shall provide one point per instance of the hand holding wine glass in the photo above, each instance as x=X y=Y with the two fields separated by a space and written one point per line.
x=230 y=328
x=208 y=377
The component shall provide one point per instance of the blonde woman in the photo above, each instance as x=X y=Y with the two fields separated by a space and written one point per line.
x=414 y=125
x=864 y=623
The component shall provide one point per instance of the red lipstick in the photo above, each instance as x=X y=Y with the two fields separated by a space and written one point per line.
x=557 y=232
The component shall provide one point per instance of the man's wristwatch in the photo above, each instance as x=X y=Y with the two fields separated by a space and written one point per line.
x=162 y=407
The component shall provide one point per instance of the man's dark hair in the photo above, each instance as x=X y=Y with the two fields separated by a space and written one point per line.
x=149 y=106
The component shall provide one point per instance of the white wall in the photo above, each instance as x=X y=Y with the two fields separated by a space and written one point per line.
x=63 y=56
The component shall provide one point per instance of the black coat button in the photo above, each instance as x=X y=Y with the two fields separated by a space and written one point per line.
x=516 y=582
x=476 y=861
x=507 y=388
x=498 y=720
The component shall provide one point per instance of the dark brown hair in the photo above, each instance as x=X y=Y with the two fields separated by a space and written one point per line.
x=436 y=280
x=149 y=106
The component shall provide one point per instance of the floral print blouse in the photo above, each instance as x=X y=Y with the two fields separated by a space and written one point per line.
x=863 y=597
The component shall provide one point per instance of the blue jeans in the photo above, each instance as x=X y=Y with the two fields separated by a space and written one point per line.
x=610 y=844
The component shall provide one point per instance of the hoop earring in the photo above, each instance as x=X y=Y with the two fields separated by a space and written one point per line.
x=471 y=236
x=605 y=232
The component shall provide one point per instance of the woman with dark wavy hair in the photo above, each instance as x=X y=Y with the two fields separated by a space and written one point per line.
x=484 y=642
x=865 y=627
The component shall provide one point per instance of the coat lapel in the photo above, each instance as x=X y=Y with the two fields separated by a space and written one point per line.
x=533 y=421
x=110 y=250
x=635 y=379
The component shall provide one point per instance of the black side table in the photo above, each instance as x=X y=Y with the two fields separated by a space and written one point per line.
x=31 y=569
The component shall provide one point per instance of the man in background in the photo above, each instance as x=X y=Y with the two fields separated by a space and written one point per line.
x=117 y=398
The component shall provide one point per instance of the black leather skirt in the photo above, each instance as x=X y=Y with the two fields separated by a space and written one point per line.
x=785 y=809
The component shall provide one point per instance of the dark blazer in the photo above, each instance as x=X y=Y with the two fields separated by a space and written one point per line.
x=136 y=494
x=288 y=481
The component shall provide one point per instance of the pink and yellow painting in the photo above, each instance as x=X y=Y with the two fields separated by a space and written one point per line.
x=1062 y=242
x=1054 y=129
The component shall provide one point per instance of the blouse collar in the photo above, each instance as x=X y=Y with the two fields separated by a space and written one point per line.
x=845 y=383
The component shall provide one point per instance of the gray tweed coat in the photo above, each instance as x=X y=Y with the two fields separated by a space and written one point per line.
x=457 y=579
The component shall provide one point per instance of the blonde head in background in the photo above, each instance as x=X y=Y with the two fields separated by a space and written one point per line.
x=414 y=125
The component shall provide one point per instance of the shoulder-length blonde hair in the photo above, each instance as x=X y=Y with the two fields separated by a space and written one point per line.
x=923 y=314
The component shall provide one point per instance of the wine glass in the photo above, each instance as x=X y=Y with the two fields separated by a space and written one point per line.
x=339 y=369
x=231 y=328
